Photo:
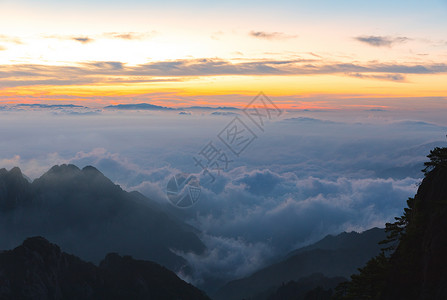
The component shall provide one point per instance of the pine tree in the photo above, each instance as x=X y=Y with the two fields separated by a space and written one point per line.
x=371 y=280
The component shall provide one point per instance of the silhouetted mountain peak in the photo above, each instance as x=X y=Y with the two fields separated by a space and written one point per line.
x=86 y=213
x=16 y=172
x=38 y=269
x=352 y=240
x=93 y=173
x=91 y=169
x=70 y=179
x=39 y=244
x=110 y=259
x=63 y=169
x=59 y=173
x=14 y=189
x=40 y=249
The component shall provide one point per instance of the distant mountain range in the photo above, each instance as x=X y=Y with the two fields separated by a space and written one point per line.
x=333 y=256
x=88 y=215
x=224 y=113
x=136 y=106
x=212 y=108
x=50 y=105
x=147 y=106
x=139 y=106
x=38 y=269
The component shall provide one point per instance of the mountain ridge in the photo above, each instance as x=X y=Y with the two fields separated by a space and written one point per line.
x=89 y=215
x=138 y=106
x=330 y=256
x=38 y=269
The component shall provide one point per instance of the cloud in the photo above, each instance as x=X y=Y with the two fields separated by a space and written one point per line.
x=107 y=65
x=49 y=82
x=271 y=35
x=224 y=258
x=10 y=39
x=244 y=228
x=310 y=120
x=321 y=175
x=217 y=35
x=129 y=35
x=255 y=214
x=381 y=41
x=389 y=77
x=175 y=70
x=80 y=39
x=83 y=40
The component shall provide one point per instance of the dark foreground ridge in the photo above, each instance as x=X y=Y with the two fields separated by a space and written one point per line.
x=38 y=269
x=417 y=267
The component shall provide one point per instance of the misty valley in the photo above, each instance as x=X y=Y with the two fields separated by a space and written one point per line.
x=87 y=215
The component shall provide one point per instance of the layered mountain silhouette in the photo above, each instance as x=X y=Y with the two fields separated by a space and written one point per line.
x=313 y=287
x=88 y=215
x=333 y=256
x=38 y=269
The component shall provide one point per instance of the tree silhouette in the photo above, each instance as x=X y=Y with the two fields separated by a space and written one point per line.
x=405 y=232
x=438 y=157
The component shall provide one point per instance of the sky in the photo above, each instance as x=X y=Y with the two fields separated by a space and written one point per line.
x=178 y=53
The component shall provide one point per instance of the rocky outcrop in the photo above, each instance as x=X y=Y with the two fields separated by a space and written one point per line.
x=40 y=270
x=418 y=267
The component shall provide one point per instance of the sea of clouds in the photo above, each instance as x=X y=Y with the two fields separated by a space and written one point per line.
x=308 y=174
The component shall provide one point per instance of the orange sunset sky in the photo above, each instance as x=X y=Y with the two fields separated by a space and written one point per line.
x=323 y=54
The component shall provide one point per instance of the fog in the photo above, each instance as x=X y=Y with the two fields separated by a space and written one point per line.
x=308 y=174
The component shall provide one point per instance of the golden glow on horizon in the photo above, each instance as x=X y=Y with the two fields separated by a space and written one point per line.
x=277 y=86
x=135 y=37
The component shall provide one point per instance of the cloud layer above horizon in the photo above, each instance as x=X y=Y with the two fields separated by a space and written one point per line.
x=287 y=48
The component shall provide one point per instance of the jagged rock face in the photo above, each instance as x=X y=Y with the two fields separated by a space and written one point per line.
x=126 y=278
x=419 y=264
x=39 y=270
x=14 y=189
x=87 y=214
x=434 y=244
